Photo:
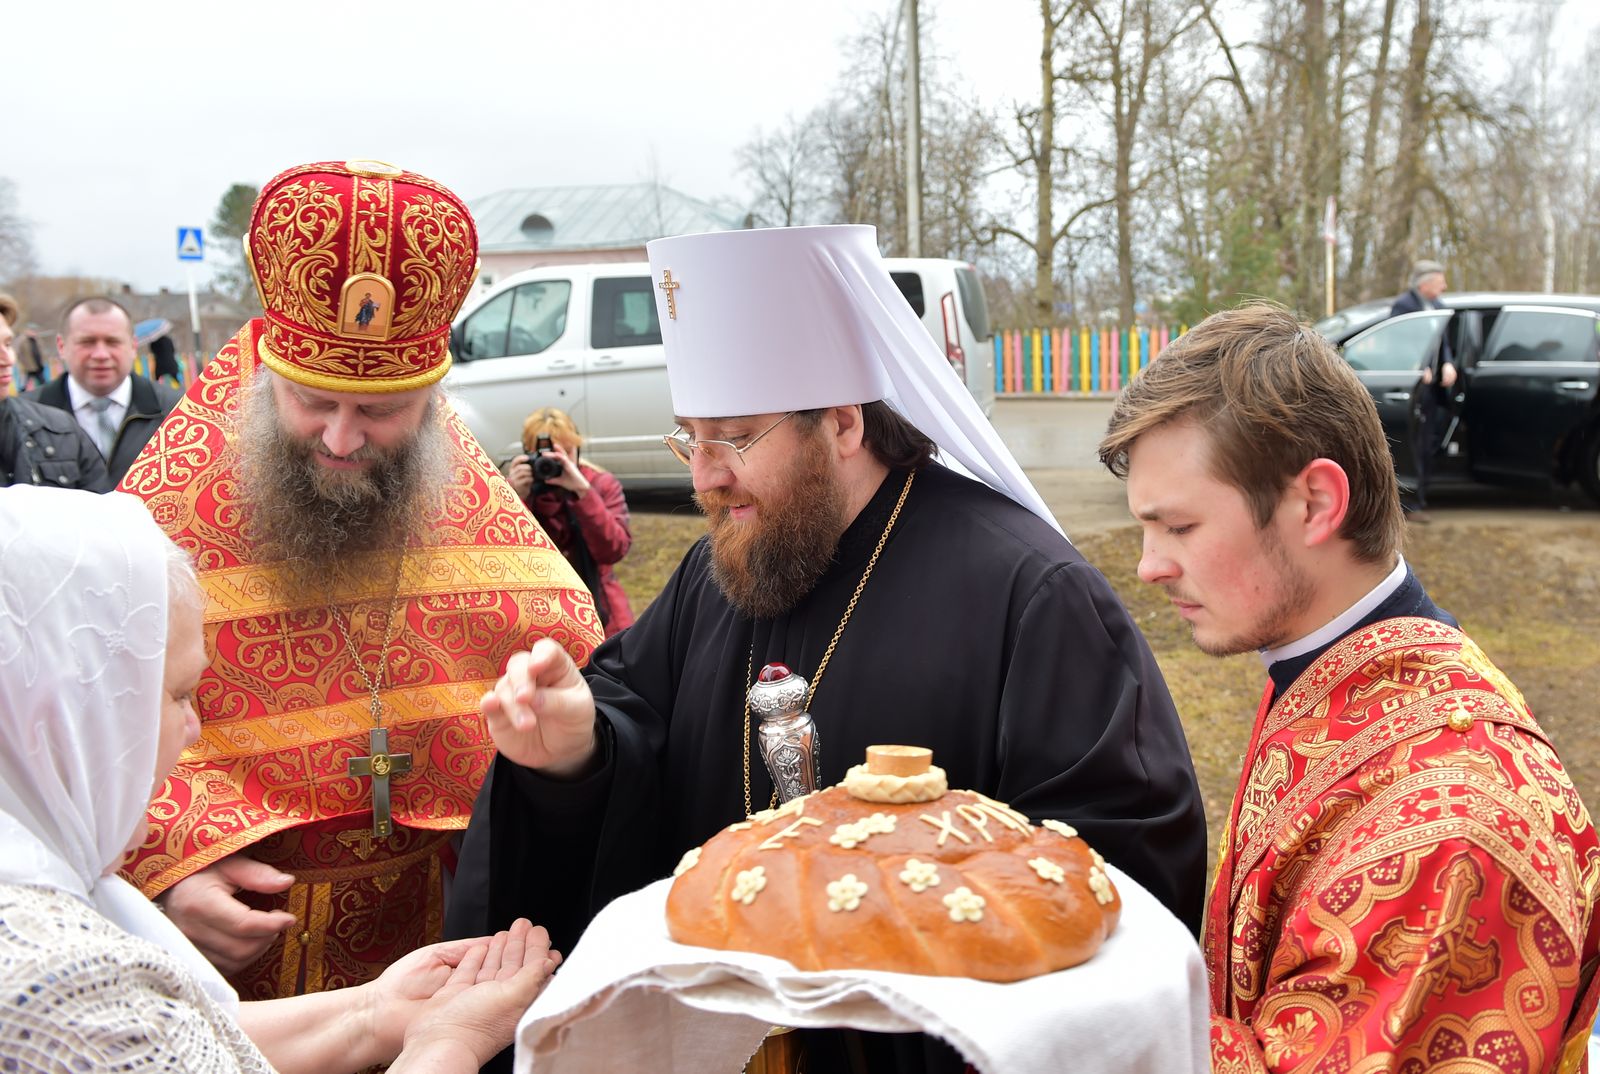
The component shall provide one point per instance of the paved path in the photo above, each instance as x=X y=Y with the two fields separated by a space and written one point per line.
x=1055 y=440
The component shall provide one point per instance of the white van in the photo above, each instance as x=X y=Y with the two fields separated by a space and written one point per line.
x=585 y=338
x=948 y=296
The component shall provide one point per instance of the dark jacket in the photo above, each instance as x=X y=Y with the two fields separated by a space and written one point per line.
x=42 y=446
x=1410 y=302
x=147 y=406
x=1436 y=393
x=593 y=534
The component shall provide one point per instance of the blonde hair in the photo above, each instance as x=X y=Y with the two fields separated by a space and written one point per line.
x=558 y=425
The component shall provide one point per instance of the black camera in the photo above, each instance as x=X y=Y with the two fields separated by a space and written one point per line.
x=546 y=467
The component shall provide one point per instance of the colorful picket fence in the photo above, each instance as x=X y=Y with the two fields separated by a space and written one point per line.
x=1068 y=360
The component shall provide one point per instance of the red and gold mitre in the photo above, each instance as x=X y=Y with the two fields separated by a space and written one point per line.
x=360 y=267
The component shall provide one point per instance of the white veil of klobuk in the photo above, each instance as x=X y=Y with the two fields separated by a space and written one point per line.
x=777 y=319
x=83 y=634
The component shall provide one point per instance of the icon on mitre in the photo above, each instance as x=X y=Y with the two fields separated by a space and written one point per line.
x=366 y=308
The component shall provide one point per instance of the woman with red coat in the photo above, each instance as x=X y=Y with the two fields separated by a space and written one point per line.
x=580 y=506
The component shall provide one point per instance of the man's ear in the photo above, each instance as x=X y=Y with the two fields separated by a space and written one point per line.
x=1324 y=489
x=848 y=429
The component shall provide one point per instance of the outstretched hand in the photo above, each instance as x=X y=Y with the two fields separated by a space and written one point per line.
x=462 y=998
x=541 y=713
x=206 y=909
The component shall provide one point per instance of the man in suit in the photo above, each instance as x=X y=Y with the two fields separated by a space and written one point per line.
x=38 y=445
x=1430 y=400
x=119 y=409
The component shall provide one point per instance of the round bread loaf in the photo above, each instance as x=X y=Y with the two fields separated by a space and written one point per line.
x=890 y=871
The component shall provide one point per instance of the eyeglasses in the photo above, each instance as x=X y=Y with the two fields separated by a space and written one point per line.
x=717 y=452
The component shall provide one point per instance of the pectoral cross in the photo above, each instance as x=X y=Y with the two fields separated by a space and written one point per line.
x=379 y=766
x=669 y=285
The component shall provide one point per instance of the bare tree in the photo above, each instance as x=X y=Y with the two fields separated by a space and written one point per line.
x=1410 y=168
x=844 y=162
x=230 y=223
x=16 y=236
x=1366 y=186
x=782 y=170
x=1113 y=47
x=1037 y=130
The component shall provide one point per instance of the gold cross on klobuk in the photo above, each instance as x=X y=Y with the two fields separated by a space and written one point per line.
x=669 y=285
x=379 y=767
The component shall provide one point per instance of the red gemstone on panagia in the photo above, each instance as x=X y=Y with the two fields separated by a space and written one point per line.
x=774 y=672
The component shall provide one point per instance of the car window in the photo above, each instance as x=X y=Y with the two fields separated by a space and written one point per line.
x=1543 y=336
x=977 y=309
x=484 y=335
x=538 y=316
x=624 y=313
x=910 y=284
x=1347 y=322
x=1401 y=344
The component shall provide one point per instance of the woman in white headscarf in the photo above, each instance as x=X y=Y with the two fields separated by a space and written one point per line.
x=100 y=646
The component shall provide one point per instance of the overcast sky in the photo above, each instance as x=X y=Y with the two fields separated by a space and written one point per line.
x=125 y=121
x=115 y=138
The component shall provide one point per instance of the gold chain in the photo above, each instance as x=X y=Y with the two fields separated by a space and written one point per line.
x=827 y=655
x=375 y=686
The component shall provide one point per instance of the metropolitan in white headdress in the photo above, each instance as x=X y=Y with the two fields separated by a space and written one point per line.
x=922 y=604
x=780 y=319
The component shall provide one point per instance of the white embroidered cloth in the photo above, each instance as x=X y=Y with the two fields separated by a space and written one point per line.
x=80 y=994
x=628 y=998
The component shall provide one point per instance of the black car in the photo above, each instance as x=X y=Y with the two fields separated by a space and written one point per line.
x=1524 y=407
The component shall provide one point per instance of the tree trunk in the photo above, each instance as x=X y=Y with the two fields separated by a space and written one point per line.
x=1122 y=189
x=1314 y=154
x=1398 y=240
x=1361 y=229
x=1128 y=92
x=1044 y=246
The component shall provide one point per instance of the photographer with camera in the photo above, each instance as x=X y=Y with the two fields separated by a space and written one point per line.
x=580 y=506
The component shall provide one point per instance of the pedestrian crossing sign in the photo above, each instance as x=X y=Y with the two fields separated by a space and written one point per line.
x=191 y=244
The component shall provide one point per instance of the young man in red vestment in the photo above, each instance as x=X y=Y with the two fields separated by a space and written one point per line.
x=367 y=574
x=1408 y=874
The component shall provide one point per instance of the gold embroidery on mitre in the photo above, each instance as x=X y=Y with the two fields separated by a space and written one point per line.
x=334 y=367
x=438 y=264
x=295 y=256
x=366 y=308
x=369 y=227
x=377 y=169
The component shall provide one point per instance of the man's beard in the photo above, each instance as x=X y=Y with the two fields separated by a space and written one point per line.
x=313 y=523
x=1294 y=593
x=765 y=565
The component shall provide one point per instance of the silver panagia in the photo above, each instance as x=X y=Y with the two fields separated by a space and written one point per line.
x=787 y=735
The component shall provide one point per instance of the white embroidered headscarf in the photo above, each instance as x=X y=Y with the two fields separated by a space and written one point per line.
x=83 y=634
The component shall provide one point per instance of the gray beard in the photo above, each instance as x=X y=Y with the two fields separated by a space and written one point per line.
x=314 y=525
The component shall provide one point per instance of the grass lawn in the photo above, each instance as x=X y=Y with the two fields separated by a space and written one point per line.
x=1529 y=596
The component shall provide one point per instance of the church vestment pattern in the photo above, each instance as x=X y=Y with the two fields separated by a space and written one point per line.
x=1410 y=875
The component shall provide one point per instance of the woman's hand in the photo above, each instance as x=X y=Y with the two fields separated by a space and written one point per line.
x=520 y=474
x=571 y=478
x=461 y=998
